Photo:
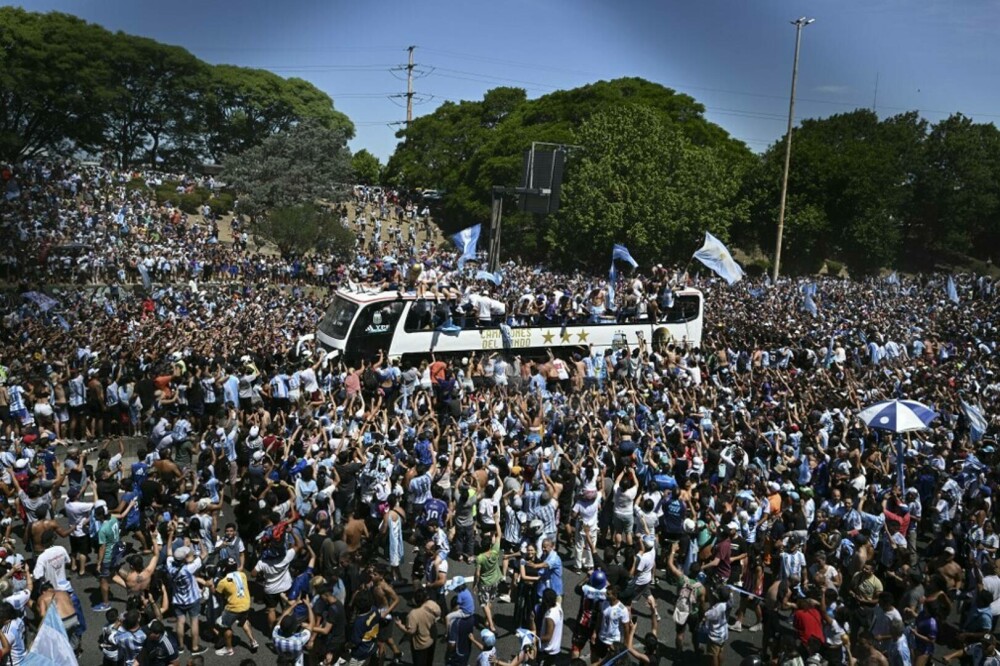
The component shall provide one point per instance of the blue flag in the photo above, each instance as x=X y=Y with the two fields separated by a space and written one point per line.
x=621 y=252
x=977 y=422
x=893 y=279
x=716 y=256
x=952 y=291
x=466 y=241
x=612 y=279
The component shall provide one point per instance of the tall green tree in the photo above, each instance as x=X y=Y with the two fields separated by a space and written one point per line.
x=304 y=164
x=155 y=101
x=302 y=228
x=54 y=80
x=850 y=183
x=367 y=168
x=639 y=180
x=957 y=205
x=243 y=106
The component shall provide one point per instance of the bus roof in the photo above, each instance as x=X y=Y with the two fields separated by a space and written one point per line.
x=363 y=297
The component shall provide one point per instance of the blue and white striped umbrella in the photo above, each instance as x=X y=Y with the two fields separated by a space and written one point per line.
x=898 y=415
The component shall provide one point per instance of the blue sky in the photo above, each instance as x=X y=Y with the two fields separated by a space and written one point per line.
x=734 y=56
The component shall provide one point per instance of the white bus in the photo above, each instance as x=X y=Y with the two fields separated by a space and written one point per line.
x=359 y=325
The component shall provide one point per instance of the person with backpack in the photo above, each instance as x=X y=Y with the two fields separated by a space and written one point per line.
x=690 y=601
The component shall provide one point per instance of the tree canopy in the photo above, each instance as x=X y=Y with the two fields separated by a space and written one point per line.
x=652 y=172
x=367 y=168
x=66 y=84
x=303 y=164
x=466 y=148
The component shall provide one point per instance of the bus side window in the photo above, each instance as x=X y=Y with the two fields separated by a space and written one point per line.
x=685 y=309
x=419 y=316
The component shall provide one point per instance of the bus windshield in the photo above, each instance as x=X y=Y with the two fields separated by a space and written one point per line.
x=337 y=320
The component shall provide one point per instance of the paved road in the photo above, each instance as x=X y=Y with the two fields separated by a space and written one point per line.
x=740 y=644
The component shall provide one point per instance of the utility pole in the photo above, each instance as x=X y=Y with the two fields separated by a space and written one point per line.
x=799 y=24
x=409 y=87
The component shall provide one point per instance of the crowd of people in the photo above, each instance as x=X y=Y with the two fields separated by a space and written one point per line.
x=281 y=502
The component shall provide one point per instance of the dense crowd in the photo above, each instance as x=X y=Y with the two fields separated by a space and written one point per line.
x=719 y=489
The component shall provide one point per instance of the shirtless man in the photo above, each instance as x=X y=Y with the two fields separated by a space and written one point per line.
x=386 y=600
x=950 y=570
x=136 y=581
x=64 y=605
x=43 y=525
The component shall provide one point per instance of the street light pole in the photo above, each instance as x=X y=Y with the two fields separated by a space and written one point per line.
x=799 y=24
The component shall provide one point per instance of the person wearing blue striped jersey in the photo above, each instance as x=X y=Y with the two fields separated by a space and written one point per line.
x=182 y=567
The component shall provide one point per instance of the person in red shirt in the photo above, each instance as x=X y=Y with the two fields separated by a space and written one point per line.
x=437 y=370
x=808 y=621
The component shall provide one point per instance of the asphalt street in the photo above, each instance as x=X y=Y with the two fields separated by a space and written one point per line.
x=740 y=644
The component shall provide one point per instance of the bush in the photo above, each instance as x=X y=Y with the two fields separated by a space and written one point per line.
x=221 y=203
x=758 y=267
x=189 y=203
x=136 y=184
x=834 y=268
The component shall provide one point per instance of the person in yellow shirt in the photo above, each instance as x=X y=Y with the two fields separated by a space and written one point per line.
x=235 y=590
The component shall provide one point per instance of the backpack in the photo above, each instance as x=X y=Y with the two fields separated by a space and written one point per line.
x=685 y=601
x=369 y=380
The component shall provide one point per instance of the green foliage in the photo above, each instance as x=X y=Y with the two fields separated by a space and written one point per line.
x=302 y=228
x=221 y=203
x=67 y=84
x=54 y=78
x=304 y=164
x=367 y=169
x=190 y=202
x=136 y=184
x=758 y=267
x=834 y=267
x=628 y=153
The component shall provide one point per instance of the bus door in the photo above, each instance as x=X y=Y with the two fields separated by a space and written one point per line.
x=373 y=330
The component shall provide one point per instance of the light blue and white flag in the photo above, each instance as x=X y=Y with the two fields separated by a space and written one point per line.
x=893 y=279
x=466 y=240
x=495 y=278
x=952 y=291
x=809 y=298
x=43 y=301
x=716 y=256
x=144 y=272
x=51 y=646
x=621 y=252
x=977 y=421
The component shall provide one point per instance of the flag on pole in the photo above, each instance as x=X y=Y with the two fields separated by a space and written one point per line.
x=893 y=279
x=809 y=298
x=621 y=252
x=144 y=272
x=900 y=462
x=716 y=256
x=618 y=252
x=952 y=291
x=51 y=646
x=612 y=279
x=977 y=421
x=466 y=240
